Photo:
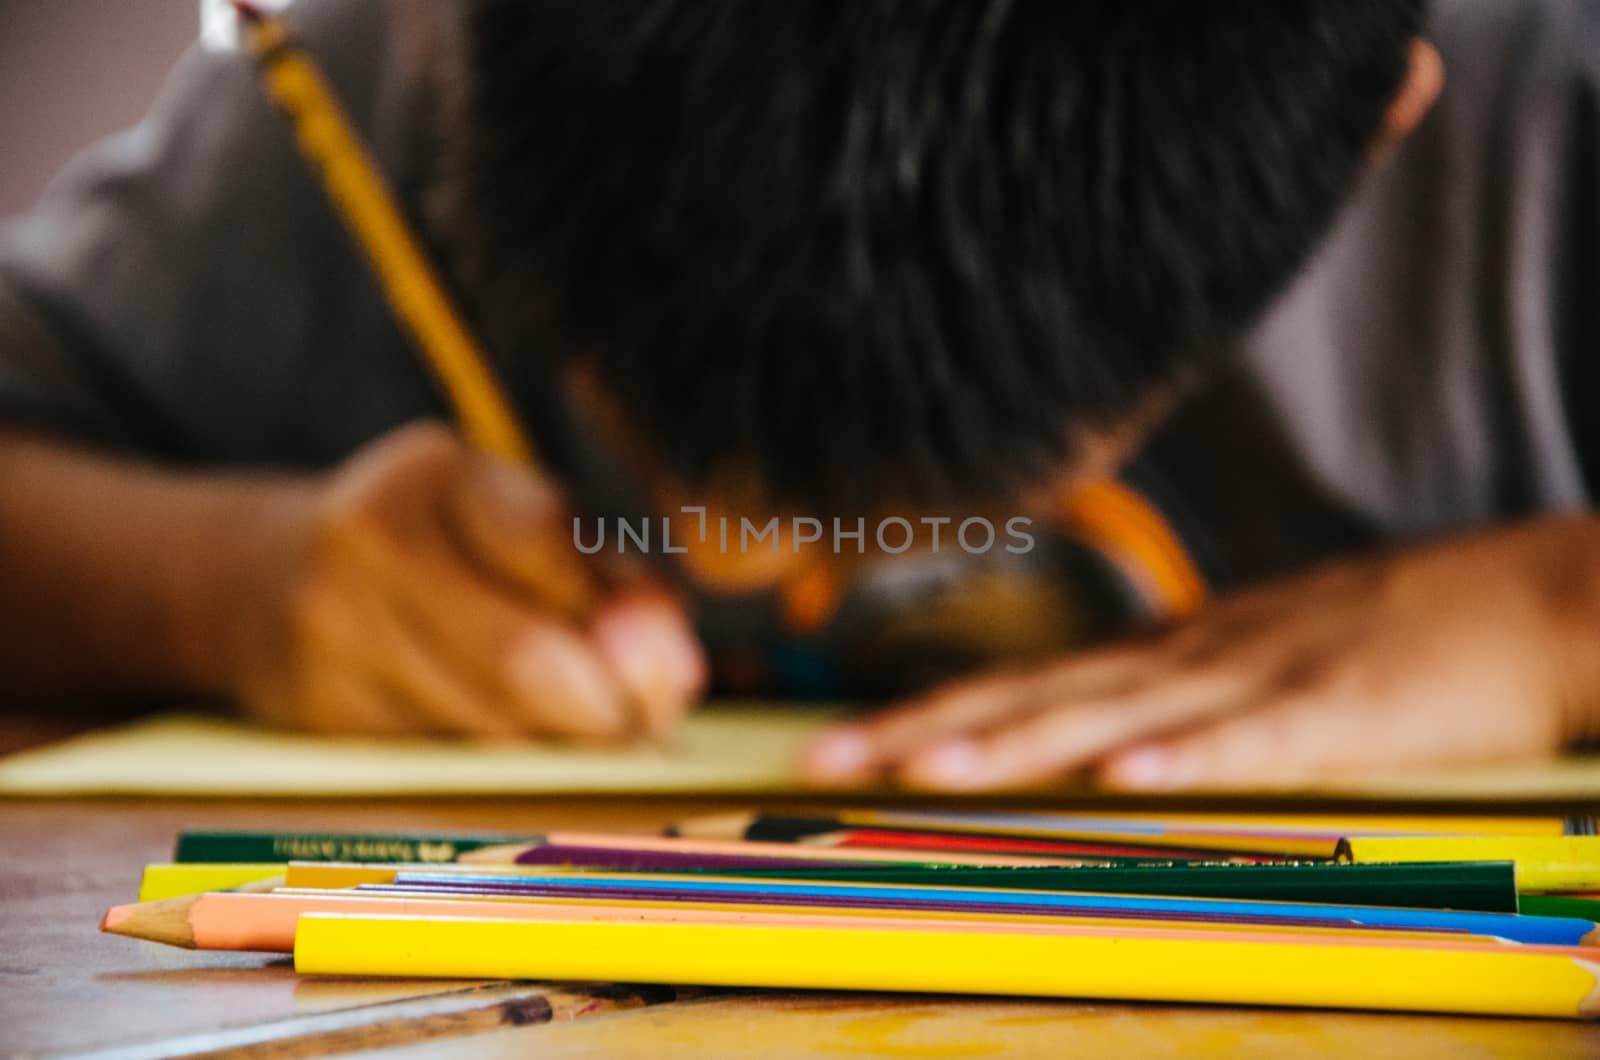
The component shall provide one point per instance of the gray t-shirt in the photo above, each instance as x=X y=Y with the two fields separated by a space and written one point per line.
x=185 y=290
x=1438 y=365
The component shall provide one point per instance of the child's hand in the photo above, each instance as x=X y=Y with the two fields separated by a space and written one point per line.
x=1481 y=648
x=426 y=588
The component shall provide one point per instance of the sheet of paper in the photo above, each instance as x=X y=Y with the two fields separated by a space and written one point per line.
x=721 y=749
x=735 y=749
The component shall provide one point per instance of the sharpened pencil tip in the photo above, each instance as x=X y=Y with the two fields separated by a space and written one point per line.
x=115 y=917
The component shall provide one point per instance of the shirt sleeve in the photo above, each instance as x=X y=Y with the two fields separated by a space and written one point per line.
x=1575 y=294
x=184 y=289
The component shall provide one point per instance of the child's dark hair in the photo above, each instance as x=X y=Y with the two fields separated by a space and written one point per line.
x=906 y=249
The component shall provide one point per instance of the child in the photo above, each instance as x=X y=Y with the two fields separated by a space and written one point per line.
x=918 y=260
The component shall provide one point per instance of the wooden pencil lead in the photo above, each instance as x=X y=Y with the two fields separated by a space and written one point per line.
x=166 y=921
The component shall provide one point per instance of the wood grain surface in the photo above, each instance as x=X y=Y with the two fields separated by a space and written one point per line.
x=919 y=1027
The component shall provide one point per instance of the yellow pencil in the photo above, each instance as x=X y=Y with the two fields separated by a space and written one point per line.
x=163 y=880
x=1549 y=863
x=362 y=198
x=175 y=881
x=1286 y=835
x=1165 y=965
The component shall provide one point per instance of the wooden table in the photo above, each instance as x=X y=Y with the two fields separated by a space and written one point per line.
x=67 y=989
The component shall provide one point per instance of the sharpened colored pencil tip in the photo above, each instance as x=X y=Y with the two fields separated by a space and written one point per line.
x=115 y=917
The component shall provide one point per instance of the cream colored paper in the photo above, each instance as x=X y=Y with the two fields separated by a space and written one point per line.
x=739 y=749
x=720 y=749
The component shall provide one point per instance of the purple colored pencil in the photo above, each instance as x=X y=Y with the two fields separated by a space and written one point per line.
x=1563 y=931
x=668 y=860
x=824 y=903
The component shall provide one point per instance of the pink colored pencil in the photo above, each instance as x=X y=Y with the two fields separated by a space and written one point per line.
x=266 y=922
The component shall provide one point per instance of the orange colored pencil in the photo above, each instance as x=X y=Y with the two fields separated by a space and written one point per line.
x=266 y=923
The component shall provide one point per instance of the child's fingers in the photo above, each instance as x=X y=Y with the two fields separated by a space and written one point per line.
x=1067 y=736
x=1103 y=697
x=517 y=530
x=434 y=689
x=1292 y=736
x=334 y=694
x=343 y=699
x=332 y=685
x=568 y=689
x=1275 y=745
x=859 y=750
x=649 y=644
x=531 y=668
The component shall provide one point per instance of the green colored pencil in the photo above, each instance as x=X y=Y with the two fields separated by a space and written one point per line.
x=1559 y=905
x=1484 y=886
x=195 y=847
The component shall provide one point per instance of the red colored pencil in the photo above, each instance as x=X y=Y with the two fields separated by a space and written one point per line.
x=884 y=839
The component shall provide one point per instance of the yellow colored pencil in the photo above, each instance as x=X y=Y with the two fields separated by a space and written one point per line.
x=1421 y=824
x=1166 y=965
x=1287 y=835
x=363 y=199
x=1544 y=863
x=162 y=881
x=734 y=825
x=1277 y=836
x=739 y=910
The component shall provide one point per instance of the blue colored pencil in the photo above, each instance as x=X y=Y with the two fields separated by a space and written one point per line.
x=1558 y=931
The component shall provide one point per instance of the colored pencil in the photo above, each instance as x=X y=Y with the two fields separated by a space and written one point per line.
x=330 y=874
x=1544 y=863
x=1563 y=929
x=945 y=842
x=1485 y=886
x=1154 y=965
x=1266 y=921
x=603 y=846
x=1247 y=824
x=166 y=880
x=334 y=875
x=259 y=847
x=360 y=195
x=1527 y=929
x=236 y=847
x=265 y=923
x=658 y=859
x=171 y=881
x=621 y=859
x=1559 y=905
x=1308 y=836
